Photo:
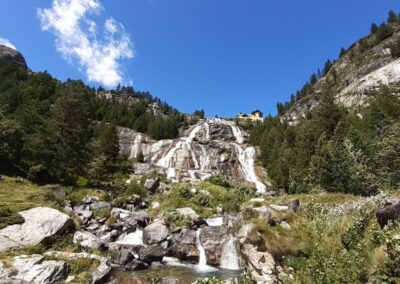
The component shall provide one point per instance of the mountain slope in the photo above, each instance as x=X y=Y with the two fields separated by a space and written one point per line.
x=364 y=68
x=12 y=56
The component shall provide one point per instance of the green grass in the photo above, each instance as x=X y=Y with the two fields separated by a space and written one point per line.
x=330 y=240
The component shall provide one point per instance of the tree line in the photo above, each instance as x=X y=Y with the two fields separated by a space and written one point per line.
x=64 y=132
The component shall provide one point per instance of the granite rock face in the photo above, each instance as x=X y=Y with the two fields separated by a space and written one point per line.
x=40 y=224
x=12 y=56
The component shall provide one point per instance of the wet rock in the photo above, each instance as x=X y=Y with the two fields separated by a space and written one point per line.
x=152 y=253
x=211 y=239
x=136 y=265
x=155 y=233
x=184 y=246
x=40 y=224
x=386 y=213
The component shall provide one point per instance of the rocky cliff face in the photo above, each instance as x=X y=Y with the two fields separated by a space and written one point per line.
x=10 y=55
x=213 y=146
x=353 y=77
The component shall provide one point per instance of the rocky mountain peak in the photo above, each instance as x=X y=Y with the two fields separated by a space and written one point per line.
x=12 y=56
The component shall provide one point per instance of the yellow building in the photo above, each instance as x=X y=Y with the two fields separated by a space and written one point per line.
x=255 y=116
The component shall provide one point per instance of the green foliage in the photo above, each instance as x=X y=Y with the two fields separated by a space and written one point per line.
x=56 y=132
x=209 y=281
x=353 y=236
x=219 y=180
x=177 y=219
x=8 y=218
x=333 y=149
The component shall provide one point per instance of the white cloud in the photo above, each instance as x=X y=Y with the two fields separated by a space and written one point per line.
x=77 y=37
x=6 y=42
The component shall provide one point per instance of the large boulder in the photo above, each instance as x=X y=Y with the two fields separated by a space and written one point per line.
x=184 y=247
x=35 y=269
x=40 y=224
x=155 y=233
x=152 y=253
x=212 y=240
x=390 y=211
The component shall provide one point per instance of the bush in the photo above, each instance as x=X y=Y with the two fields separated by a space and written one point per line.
x=220 y=180
x=8 y=218
x=177 y=219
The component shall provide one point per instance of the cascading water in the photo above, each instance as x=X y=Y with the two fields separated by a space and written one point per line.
x=202 y=156
x=246 y=159
x=202 y=265
x=229 y=257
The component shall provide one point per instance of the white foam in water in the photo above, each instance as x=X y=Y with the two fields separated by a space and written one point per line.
x=229 y=257
x=215 y=221
x=134 y=239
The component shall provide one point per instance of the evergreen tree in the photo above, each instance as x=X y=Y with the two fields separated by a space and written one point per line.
x=374 y=28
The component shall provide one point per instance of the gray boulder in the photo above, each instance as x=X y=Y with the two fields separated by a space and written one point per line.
x=212 y=239
x=155 y=233
x=40 y=224
x=184 y=246
x=34 y=269
x=152 y=253
x=391 y=211
x=87 y=240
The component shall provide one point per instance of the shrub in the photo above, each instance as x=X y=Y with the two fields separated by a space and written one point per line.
x=219 y=180
x=177 y=219
x=8 y=218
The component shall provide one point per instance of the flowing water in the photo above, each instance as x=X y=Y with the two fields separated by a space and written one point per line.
x=229 y=257
x=202 y=265
x=199 y=153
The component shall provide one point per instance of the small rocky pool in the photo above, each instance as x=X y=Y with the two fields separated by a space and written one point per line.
x=186 y=274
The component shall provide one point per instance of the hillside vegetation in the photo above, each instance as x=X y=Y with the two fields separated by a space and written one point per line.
x=335 y=147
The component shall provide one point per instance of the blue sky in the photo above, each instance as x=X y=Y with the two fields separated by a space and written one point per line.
x=224 y=56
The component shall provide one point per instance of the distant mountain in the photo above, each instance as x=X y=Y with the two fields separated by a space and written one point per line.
x=12 y=56
x=364 y=68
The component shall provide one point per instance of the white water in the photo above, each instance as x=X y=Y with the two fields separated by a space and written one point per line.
x=202 y=159
x=134 y=239
x=229 y=257
x=165 y=161
x=246 y=159
x=202 y=265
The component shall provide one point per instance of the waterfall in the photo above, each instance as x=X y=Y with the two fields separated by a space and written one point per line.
x=229 y=258
x=246 y=159
x=202 y=265
x=165 y=161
